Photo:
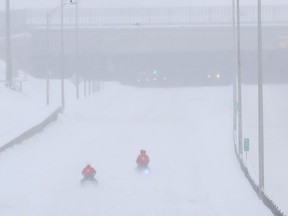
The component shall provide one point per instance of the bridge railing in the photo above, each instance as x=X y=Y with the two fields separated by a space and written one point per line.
x=160 y=16
x=18 y=22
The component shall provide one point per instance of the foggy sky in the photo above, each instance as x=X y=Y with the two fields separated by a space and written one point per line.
x=18 y=4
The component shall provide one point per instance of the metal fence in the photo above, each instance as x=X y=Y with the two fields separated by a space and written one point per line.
x=160 y=16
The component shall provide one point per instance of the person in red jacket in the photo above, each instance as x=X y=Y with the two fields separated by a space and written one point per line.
x=88 y=171
x=143 y=159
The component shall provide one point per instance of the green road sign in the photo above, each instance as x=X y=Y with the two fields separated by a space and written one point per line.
x=246 y=144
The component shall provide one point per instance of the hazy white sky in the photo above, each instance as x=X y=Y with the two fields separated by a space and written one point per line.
x=133 y=3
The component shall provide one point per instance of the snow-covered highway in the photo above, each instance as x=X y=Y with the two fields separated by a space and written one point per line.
x=187 y=133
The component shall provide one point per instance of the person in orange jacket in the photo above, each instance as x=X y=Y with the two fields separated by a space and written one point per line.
x=143 y=159
x=88 y=171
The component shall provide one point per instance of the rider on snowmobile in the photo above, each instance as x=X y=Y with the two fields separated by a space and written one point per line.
x=88 y=171
x=143 y=159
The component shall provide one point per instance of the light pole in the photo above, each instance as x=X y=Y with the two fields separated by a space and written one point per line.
x=8 y=47
x=239 y=89
x=77 y=48
x=63 y=3
x=62 y=58
x=48 y=19
x=234 y=70
x=47 y=66
x=260 y=102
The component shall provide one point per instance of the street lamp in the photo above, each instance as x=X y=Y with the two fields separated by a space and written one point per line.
x=47 y=63
x=239 y=89
x=63 y=3
x=260 y=102
x=8 y=46
x=234 y=70
x=62 y=58
x=77 y=48
x=77 y=2
x=48 y=20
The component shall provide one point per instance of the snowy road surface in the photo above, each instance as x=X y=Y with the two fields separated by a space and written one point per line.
x=186 y=132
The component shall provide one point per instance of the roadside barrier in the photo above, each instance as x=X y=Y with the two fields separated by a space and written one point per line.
x=31 y=132
x=264 y=197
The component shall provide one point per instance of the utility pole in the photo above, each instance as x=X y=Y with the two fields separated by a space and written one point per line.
x=61 y=6
x=62 y=57
x=77 y=52
x=8 y=46
x=260 y=101
x=239 y=90
x=234 y=70
x=48 y=56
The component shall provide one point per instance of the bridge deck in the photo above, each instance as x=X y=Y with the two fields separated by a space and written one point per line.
x=151 y=16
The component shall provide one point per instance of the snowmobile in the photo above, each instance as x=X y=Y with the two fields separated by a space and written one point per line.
x=143 y=169
x=89 y=180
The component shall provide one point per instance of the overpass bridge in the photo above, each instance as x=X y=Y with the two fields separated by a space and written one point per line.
x=99 y=17
x=131 y=43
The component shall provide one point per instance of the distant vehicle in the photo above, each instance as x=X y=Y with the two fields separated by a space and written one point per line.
x=152 y=79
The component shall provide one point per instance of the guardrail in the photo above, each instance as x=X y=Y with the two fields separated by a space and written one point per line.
x=161 y=16
x=31 y=132
x=262 y=195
